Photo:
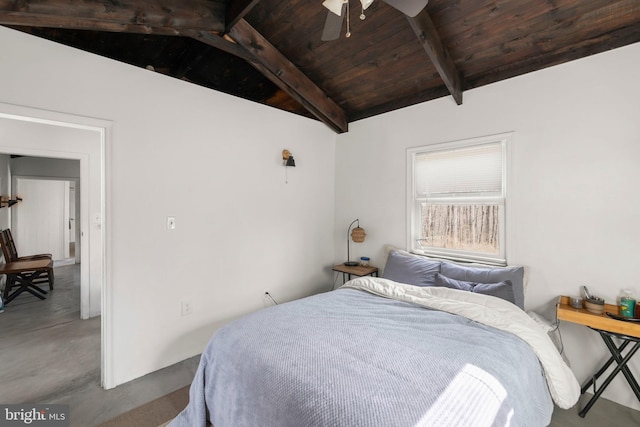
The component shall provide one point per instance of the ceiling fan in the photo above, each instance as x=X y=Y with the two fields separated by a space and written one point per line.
x=339 y=8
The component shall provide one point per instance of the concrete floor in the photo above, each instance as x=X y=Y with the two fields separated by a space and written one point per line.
x=48 y=355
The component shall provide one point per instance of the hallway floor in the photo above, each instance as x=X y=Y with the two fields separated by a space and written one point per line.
x=48 y=355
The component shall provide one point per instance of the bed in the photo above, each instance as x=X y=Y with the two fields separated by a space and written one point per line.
x=381 y=352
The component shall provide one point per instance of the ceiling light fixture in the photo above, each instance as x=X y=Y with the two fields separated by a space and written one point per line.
x=365 y=6
x=339 y=8
x=335 y=6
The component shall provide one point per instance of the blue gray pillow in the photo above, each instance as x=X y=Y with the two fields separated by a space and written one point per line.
x=414 y=270
x=503 y=289
x=488 y=275
x=421 y=271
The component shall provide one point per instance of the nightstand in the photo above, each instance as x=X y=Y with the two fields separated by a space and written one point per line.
x=628 y=332
x=358 y=270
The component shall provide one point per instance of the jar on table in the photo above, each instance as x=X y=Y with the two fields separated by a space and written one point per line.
x=627 y=303
x=364 y=261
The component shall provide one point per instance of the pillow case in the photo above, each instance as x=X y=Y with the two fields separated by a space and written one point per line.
x=392 y=248
x=413 y=270
x=448 y=282
x=503 y=290
x=478 y=274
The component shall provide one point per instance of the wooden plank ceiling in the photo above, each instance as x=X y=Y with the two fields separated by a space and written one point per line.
x=270 y=51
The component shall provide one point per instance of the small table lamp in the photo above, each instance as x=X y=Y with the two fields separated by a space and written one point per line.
x=357 y=235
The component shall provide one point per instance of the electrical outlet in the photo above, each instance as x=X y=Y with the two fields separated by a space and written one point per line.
x=187 y=307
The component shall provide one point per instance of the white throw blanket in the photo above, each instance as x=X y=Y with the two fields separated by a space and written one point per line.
x=490 y=311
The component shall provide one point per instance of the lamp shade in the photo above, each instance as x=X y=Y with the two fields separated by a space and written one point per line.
x=358 y=235
x=290 y=161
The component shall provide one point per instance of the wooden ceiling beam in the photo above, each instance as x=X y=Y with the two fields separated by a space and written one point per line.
x=130 y=16
x=200 y=19
x=273 y=65
x=282 y=72
x=215 y=40
x=237 y=10
x=430 y=39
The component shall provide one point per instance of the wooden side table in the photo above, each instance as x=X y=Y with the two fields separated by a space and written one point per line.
x=358 y=270
x=608 y=328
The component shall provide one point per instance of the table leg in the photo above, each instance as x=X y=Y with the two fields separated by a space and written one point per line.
x=622 y=366
x=25 y=280
x=625 y=369
x=345 y=277
x=597 y=375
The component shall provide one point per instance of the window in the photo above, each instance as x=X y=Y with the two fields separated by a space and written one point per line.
x=456 y=199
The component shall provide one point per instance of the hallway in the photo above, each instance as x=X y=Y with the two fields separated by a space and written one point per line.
x=48 y=355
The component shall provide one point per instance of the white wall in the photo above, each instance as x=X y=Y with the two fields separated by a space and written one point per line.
x=211 y=160
x=573 y=210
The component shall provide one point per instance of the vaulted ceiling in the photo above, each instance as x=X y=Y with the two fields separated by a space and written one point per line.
x=270 y=51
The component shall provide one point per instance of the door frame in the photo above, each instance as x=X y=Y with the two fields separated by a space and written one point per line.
x=99 y=239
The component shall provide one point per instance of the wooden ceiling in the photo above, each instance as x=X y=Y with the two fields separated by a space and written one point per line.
x=270 y=51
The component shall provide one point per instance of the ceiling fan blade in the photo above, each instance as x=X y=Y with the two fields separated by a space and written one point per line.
x=333 y=26
x=366 y=4
x=335 y=6
x=409 y=7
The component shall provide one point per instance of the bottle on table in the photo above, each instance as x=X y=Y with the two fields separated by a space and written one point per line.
x=627 y=303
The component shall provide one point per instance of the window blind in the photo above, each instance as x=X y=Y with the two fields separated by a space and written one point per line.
x=468 y=171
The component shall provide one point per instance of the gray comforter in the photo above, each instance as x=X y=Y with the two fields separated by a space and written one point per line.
x=350 y=358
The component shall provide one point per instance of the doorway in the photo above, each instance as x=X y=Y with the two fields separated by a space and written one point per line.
x=39 y=133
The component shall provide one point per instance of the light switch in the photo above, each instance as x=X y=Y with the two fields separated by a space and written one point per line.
x=171 y=223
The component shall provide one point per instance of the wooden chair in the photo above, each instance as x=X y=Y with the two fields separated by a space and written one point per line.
x=6 y=236
x=10 y=254
x=26 y=276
